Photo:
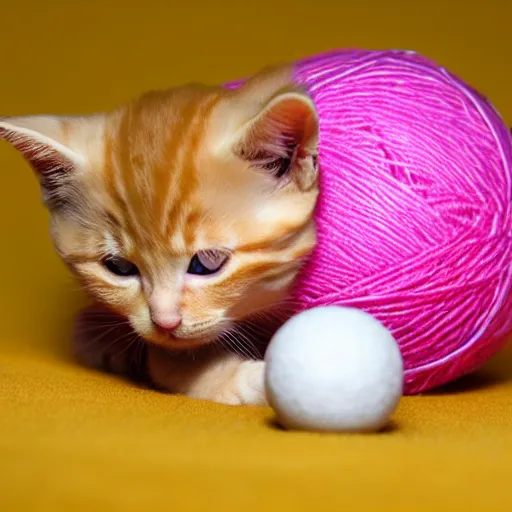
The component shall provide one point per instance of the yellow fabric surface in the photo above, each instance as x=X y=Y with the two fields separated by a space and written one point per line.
x=75 y=439
x=71 y=439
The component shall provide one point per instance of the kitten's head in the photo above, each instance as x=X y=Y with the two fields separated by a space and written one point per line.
x=185 y=210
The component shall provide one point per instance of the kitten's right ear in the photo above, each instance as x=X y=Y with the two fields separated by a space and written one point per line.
x=282 y=139
x=42 y=141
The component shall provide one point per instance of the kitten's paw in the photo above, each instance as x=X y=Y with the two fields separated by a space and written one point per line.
x=248 y=384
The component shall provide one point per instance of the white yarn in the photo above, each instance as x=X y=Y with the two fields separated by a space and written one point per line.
x=333 y=369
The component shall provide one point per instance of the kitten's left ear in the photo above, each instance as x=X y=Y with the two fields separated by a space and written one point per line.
x=42 y=141
x=283 y=138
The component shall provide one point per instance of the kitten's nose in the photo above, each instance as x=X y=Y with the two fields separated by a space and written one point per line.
x=166 y=324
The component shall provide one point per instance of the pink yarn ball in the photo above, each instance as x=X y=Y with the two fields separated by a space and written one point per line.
x=414 y=216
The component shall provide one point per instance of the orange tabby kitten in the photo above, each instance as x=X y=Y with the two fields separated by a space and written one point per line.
x=183 y=212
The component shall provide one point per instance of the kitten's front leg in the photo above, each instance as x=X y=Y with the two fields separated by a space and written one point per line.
x=225 y=378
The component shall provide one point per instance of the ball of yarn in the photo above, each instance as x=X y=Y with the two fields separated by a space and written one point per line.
x=333 y=369
x=414 y=215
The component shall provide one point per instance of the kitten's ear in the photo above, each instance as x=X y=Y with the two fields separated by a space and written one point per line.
x=42 y=141
x=283 y=138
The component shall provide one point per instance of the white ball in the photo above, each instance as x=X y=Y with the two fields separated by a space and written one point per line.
x=333 y=369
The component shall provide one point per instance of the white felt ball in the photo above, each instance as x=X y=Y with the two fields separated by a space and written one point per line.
x=333 y=369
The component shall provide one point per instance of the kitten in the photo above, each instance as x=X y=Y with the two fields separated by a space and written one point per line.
x=182 y=213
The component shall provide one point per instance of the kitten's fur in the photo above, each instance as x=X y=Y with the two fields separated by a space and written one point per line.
x=170 y=174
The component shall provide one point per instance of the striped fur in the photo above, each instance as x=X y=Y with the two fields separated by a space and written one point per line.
x=172 y=173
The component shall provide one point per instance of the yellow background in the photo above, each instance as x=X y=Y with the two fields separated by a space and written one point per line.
x=71 y=438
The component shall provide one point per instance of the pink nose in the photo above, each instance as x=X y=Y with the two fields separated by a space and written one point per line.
x=167 y=325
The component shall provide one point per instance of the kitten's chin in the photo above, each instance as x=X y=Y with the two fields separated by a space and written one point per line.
x=178 y=343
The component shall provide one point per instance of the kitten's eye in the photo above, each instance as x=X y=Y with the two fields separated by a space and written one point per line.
x=205 y=263
x=120 y=266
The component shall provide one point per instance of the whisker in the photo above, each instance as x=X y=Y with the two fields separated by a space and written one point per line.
x=255 y=329
x=226 y=338
x=128 y=345
x=85 y=327
x=248 y=343
x=96 y=340
x=97 y=315
x=236 y=346
x=245 y=344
